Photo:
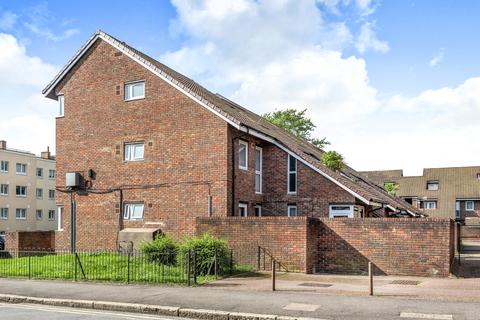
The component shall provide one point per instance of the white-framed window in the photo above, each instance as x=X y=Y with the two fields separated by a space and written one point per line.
x=340 y=211
x=51 y=174
x=292 y=210
x=4 y=213
x=134 y=151
x=3 y=166
x=39 y=173
x=242 y=209
x=243 y=155
x=21 y=168
x=292 y=175
x=430 y=205
x=39 y=214
x=61 y=106
x=134 y=90
x=51 y=194
x=469 y=206
x=457 y=210
x=51 y=215
x=21 y=191
x=60 y=210
x=133 y=211
x=21 y=214
x=3 y=189
x=258 y=210
x=39 y=193
x=258 y=169
x=432 y=185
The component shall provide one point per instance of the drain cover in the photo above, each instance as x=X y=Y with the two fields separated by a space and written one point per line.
x=313 y=284
x=406 y=282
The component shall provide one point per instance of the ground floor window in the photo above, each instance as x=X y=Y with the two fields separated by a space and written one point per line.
x=133 y=211
x=242 y=209
x=292 y=210
x=258 y=210
x=469 y=206
x=340 y=211
x=430 y=205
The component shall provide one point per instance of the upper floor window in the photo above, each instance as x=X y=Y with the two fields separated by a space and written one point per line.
x=4 y=213
x=243 y=155
x=51 y=174
x=469 y=206
x=21 y=214
x=243 y=209
x=4 y=189
x=134 y=151
x=340 y=211
x=3 y=166
x=61 y=106
x=258 y=169
x=21 y=191
x=432 y=185
x=134 y=90
x=51 y=194
x=39 y=173
x=457 y=210
x=39 y=214
x=39 y=193
x=21 y=168
x=292 y=210
x=51 y=214
x=292 y=174
x=133 y=211
x=430 y=205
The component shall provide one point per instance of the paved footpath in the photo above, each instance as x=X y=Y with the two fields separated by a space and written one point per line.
x=294 y=303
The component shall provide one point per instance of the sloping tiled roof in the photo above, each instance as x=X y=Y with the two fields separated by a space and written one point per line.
x=454 y=183
x=243 y=118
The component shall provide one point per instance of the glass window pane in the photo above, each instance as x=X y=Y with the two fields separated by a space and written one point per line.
x=139 y=151
x=138 y=90
x=258 y=183
x=292 y=164
x=292 y=183
x=137 y=212
x=258 y=160
x=242 y=155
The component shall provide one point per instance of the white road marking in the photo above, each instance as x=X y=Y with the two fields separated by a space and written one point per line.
x=301 y=307
x=79 y=311
x=413 y=315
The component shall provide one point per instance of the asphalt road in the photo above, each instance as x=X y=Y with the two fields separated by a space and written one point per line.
x=39 y=312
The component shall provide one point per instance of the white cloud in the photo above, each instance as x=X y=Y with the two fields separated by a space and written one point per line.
x=27 y=119
x=368 y=40
x=277 y=54
x=8 y=20
x=437 y=58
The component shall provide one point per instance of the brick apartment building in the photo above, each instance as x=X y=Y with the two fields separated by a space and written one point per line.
x=440 y=192
x=155 y=150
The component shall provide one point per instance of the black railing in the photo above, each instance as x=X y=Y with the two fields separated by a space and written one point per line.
x=111 y=266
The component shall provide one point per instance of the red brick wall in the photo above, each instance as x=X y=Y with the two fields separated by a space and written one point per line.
x=314 y=192
x=413 y=247
x=470 y=231
x=185 y=151
x=285 y=237
x=30 y=240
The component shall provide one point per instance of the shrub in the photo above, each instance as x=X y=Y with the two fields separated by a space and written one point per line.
x=162 y=250
x=206 y=247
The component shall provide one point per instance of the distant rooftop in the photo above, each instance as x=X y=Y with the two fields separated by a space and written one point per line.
x=44 y=155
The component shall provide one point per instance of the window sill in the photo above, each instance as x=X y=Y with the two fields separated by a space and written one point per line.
x=20 y=174
x=59 y=117
x=20 y=196
x=243 y=168
x=134 y=99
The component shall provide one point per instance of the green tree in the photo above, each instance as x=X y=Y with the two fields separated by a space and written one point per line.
x=332 y=160
x=391 y=187
x=297 y=123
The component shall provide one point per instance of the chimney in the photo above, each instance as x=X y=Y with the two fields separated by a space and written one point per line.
x=46 y=154
x=3 y=145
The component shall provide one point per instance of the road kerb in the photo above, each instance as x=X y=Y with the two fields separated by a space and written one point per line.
x=203 y=314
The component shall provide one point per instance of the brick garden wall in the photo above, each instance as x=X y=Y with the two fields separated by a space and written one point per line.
x=470 y=231
x=285 y=237
x=414 y=247
x=30 y=240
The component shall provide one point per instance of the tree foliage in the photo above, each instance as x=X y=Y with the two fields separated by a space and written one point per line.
x=332 y=160
x=297 y=123
x=391 y=187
